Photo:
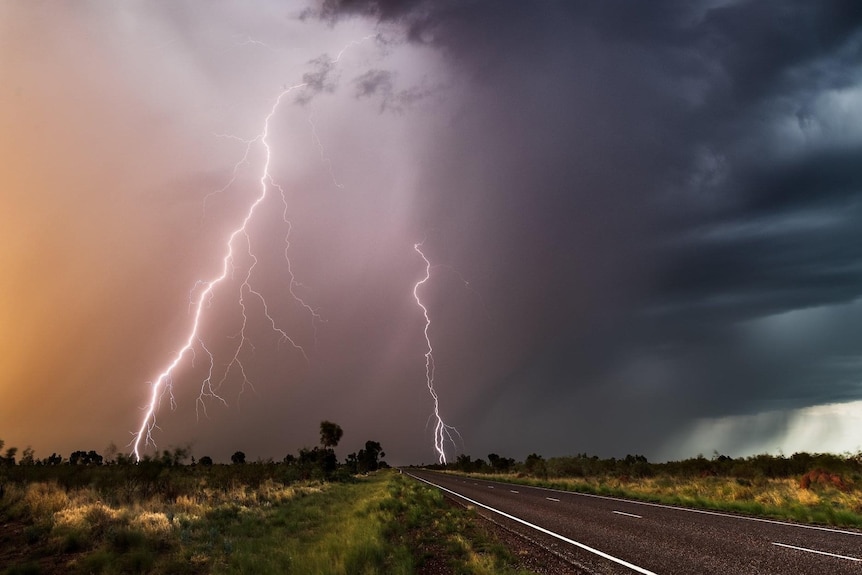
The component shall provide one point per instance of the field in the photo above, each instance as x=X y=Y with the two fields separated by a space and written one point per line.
x=311 y=515
x=237 y=519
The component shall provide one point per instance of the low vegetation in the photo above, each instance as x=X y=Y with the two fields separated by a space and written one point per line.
x=312 y=514
x=811 y=488
x=383 y=523
x=307 y=514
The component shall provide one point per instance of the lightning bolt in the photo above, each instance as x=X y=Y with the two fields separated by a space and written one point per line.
x=238 y=245
x=442 y=431
x=163 y=386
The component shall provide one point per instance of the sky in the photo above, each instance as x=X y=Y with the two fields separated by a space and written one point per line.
x=644 y=222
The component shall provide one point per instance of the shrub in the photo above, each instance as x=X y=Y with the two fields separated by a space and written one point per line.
x=44 y=499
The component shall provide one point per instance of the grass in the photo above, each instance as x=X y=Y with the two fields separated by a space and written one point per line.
x=382 y=524
x=339 y=531
x=260 y=519
x=439 y=531
x=777 y=498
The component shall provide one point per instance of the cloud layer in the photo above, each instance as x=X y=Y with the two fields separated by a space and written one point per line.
x=646 y=219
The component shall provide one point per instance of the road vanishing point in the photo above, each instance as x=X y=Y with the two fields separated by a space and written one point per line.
x=608 y=535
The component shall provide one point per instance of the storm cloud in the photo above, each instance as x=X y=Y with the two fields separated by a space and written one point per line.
x=644 y=220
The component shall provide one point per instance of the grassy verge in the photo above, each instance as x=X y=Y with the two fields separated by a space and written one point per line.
x=383 y=524
x=341 y=530
x=443 y=537
x=781 y=499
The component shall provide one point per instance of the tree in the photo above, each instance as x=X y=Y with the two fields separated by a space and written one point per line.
x=330 y=434
x=206 y=461
x=238 y=458
x=27 y=457
x=85 y=458
x=500 y=464
x=175 y=457
x=368 y=458
x=9 y=458
x=464 y=462
x=310 y=463
x=53 y=459
x=352 y=462
x=535 y=465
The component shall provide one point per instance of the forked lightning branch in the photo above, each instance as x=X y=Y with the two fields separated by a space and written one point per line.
x=162 y=386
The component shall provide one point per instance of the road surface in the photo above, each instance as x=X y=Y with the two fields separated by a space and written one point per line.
x=608 y=535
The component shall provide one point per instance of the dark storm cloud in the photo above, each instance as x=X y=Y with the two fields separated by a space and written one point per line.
x=322 y=78
x=380 y=84
x=792 y=241
x=374 y=82
x=382 y=9
x=647 y=180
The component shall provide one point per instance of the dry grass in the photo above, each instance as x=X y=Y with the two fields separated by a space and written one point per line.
x=382 y=524
x=151 y=535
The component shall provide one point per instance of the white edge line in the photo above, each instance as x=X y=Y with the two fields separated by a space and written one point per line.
x=513 y=491
x=628 y=514
x=542 y=529
x=552 y=499
x=816 y=551
x=690 y=510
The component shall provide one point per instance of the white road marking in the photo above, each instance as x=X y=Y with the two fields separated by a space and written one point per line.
x=628 y=514
x=816 y=551
x=552 y=499
x=513 y=491
x=490 y=487
x=543 y=530
x=704 y=512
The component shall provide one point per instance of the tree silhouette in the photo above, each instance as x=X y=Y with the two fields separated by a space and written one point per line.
x=85 y=458
x=175 y=457
x=369 y=458
x=330 y=434
x=53 y=459
x=9 y=458
x=238 y=458
x=27 y=457
x=500 y=464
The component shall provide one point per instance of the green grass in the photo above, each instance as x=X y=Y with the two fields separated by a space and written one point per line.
x=434 y=528
x=381 y=524
x=386 y=524
x=342 y=530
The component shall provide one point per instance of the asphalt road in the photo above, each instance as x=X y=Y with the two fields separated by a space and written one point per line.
x=609 y=535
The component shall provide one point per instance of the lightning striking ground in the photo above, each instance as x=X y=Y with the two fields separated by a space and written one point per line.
x=203 y=292
x=163 y=386
x=442 y=431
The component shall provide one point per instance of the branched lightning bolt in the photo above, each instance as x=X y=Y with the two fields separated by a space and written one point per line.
x=162 y=386
x=442 y=431
x=202 y=294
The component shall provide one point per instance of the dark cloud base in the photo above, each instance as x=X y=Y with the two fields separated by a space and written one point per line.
x=651 y=182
